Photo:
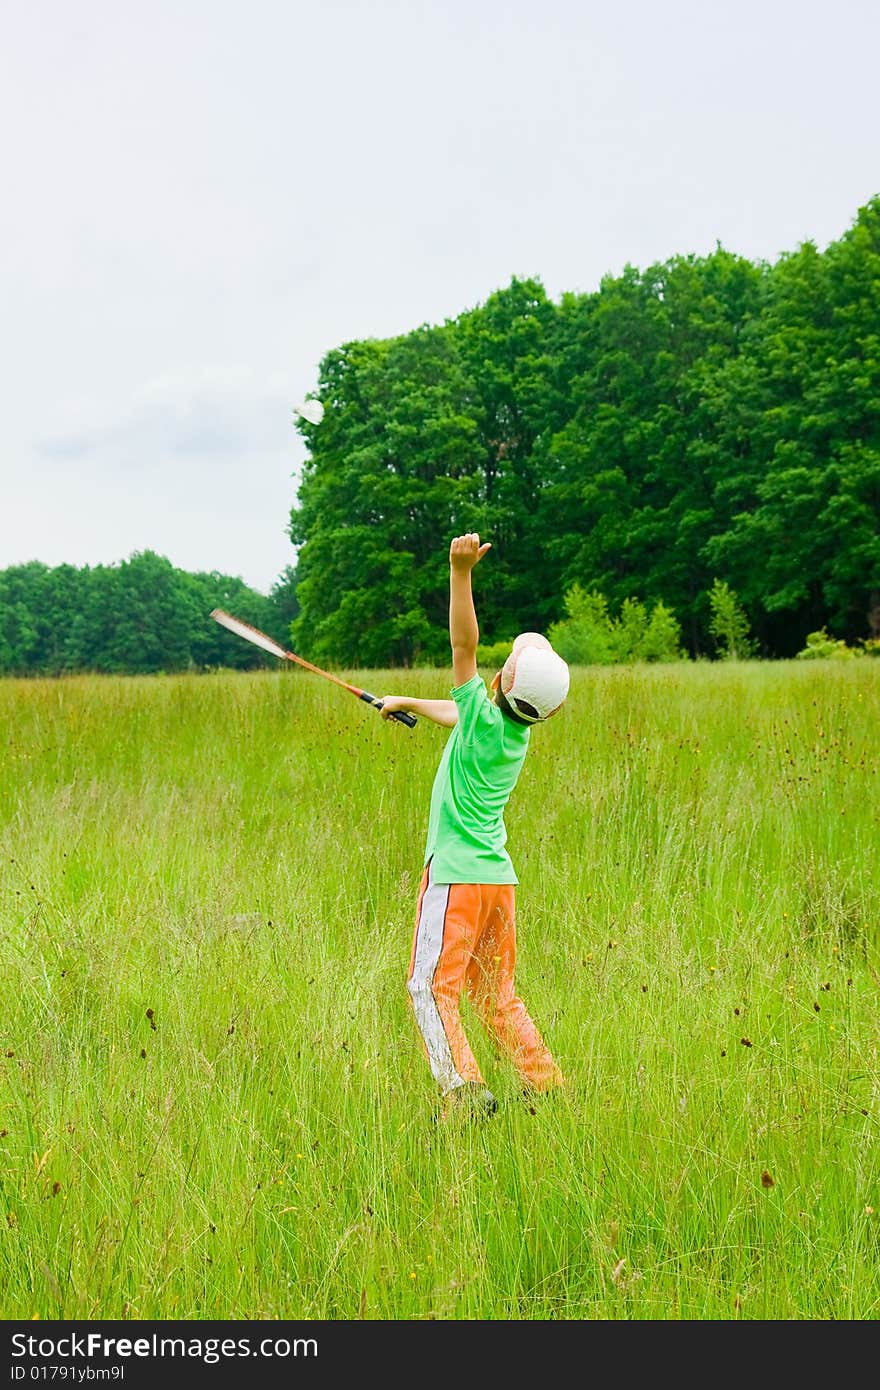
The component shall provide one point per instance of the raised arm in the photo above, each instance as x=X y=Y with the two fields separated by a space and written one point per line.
x=464 y=633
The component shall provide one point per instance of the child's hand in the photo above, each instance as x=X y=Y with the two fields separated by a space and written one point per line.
x=393 y=704
x=466 y=551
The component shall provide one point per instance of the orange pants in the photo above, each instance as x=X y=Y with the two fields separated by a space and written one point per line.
x=465 y=942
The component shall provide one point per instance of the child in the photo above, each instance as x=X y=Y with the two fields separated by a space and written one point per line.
x=465 y=939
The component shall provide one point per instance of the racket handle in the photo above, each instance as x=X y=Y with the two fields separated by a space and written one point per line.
x=404 y=718
x=400 y=715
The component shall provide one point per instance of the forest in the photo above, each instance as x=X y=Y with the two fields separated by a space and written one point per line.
x=706 y=425
x=140 y=617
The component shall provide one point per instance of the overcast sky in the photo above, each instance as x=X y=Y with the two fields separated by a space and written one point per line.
x=201 y=198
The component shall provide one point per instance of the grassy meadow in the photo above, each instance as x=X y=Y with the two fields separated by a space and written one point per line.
x=213 y=1102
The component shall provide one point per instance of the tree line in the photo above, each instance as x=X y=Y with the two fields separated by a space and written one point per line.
x=705 y=421
x=139 y=617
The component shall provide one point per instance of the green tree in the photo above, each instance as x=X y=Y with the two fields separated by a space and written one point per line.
x=630 y=477
x=137 y=617
x=426 y=435
x=661 y=640
x=585 y=636
x=729 y=624
x=808 y=499
x=591 y=635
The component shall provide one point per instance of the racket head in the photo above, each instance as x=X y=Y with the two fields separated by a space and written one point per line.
x=250 y=634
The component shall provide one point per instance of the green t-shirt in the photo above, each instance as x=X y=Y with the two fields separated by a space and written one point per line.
x=479 y=768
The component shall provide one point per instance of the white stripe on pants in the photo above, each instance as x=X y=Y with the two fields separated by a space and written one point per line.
x=429 y=944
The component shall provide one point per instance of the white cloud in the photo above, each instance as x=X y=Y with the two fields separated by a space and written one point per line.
x=210 y=412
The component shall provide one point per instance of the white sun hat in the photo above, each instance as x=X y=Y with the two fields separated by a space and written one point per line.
x=534 y=678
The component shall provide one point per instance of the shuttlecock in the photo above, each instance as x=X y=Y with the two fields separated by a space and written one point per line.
x=313 y=411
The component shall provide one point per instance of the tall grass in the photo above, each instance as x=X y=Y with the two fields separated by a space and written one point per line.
x=213 y=1103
